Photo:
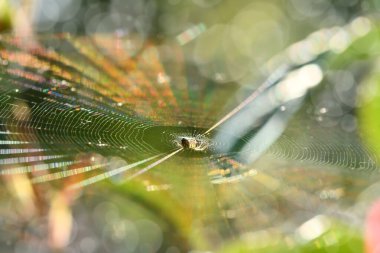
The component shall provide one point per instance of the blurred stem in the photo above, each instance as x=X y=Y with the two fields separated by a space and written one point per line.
x=22 y=21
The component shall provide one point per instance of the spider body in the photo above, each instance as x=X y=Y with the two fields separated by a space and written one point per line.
x=193 y=143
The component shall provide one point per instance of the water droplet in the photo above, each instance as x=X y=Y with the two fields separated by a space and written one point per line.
x=323 y=110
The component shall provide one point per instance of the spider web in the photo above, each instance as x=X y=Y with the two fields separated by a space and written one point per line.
x=92 y=108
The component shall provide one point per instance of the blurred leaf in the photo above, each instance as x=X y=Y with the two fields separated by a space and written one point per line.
x=340 y=238
x=5 y=16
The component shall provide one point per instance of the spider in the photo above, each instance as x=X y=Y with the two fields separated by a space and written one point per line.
x=194 y=143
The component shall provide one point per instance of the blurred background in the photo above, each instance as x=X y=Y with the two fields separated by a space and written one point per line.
x=312 y=187
x=238 y=35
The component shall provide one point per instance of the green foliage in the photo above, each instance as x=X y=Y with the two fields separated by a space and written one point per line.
x=339 y=239
x=5 y=16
